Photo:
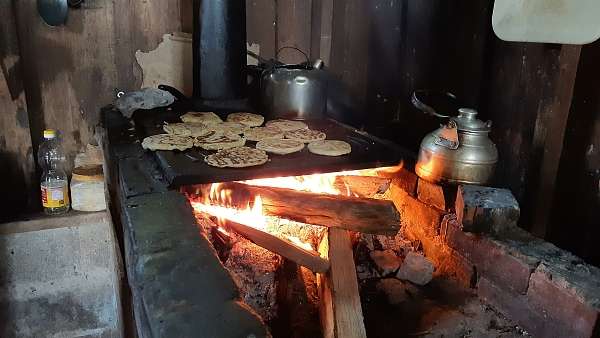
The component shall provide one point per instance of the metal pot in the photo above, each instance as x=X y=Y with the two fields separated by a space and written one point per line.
x=294 y=91
x=458 y=152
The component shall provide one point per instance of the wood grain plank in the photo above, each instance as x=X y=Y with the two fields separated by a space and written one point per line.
x=522 y=85
x=325 y=17
x=140 y=25
x=72 y=71
x=261 y=17
x=549 y=134
x=350 y=45
x=577 y=192
x=340 y=310
x=20 y=185
x=186 y=11
x=69 y=71
x=294 y=29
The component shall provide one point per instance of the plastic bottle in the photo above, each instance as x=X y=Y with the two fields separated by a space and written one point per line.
x=54 y=182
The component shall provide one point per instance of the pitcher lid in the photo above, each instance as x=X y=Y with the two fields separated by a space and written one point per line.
x=467 y=121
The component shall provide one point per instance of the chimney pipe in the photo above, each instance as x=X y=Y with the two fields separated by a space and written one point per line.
x=219 y=49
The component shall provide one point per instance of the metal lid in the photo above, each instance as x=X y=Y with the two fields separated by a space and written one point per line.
x=49 y=134
x=467 y=121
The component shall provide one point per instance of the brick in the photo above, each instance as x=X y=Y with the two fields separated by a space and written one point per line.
x=486 y=210
x=558 y=305
x=441 y=197
x=564 y=269
x=515 y=307
x=493 y=258
x=414 y=213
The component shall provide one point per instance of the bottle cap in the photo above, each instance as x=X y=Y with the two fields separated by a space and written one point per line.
x=49 y=133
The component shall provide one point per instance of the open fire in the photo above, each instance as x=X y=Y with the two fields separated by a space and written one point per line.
x=259 y=226
x=218 y=200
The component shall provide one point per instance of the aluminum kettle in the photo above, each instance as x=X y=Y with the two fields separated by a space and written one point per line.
x=460 y=151
x=294 y=91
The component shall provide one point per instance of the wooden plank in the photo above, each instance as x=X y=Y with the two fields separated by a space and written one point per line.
x=350 y=45
x=261 y=17
x=186 y=11
x=325 y=32
x=340 y=310
x=140 y=25
x=20 y=187
x=72 y=71
x=294 y=29
x=524 y=91
x=356 y=214
x=577 y=192
x=549 y=134
x=281 y=247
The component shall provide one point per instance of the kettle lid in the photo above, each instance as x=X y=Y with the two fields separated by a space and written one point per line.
x=467 y=121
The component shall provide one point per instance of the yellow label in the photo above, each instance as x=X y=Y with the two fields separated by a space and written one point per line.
x=55 y=197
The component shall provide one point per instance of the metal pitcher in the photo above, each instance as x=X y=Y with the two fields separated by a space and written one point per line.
x=459 y=151
x=297 y=91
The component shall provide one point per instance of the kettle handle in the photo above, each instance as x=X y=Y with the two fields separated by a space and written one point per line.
x=294 y=48
x=416 y=101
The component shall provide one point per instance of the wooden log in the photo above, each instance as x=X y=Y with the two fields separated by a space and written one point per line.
x=362 y=186
x=281 y=246
x=351 y=213
x=340 y=310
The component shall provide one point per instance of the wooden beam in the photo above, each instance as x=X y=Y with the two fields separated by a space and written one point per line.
x=356 y=214
x=281 y=247
x=340 y=310
x=549 y=134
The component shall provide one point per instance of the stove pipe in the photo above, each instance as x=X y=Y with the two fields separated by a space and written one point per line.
x=219 y=49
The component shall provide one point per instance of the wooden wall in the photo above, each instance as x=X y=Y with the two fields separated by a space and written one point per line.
x=68 y=73
x=575 y=212
x=17 y=169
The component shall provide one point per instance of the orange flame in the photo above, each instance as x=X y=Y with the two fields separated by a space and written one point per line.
x=251 y=216
x=218 y=202
x=316 y=183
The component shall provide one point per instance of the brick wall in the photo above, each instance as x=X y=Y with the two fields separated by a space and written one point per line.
x=470 y=234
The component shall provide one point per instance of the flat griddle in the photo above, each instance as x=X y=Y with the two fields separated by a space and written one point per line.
x=188 y=167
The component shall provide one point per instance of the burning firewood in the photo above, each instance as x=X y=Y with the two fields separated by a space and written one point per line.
x=356 y=214
x=281 y=246
x=362 y=186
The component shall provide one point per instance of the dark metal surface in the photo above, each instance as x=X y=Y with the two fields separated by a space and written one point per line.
x=188 y=167
x=54 y=12
x=219 y=49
